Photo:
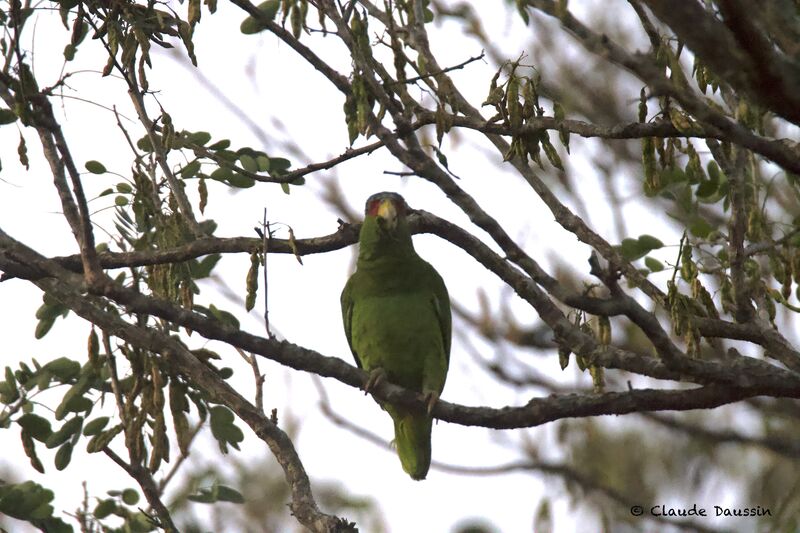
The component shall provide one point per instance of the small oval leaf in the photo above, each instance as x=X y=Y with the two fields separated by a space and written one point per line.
x=95 y=167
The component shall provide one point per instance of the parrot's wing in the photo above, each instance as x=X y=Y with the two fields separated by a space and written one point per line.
x=347 y=316
x=441 y=301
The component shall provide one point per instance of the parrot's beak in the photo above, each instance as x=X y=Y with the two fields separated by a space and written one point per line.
x=388 y=213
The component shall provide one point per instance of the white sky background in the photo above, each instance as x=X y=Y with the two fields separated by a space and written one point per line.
x=304 y=300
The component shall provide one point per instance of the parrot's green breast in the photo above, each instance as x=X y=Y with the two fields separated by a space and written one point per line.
x=400 y=331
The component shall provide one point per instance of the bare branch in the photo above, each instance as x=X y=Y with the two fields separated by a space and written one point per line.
x=148 y=486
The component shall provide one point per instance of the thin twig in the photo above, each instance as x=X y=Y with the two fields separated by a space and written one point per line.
x=442 y=71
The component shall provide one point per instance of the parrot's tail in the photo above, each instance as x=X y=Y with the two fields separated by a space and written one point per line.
x=412 y=436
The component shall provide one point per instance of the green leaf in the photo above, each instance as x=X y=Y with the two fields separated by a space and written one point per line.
x=227 y=494
x=70 y=428
x=63 y=456
x=239 y=181
x=653 y=264
x=263 y=163
x=139 y=523
x=63 y=368
x=144 y=144
x=101 y=440
x=50 y=310
x=69 y=52
x=706 y=189
x=231 y=434
x=223 y=429
x=650 y=242
x=220 y=145
x=130 y=496
x=672 y=175
x=43 y=327
x=124 y=188
x=220 y=416
x=223 y=316
x=79 y=404
x=700 y=228
x=631 y=250
x=269 y=9
x=285 y=188
x=248 y=163
x=31 y=502
x=227 y=155
x=202 y=268
x=7 y=117
x=221 y=174
x=36 y=426
x=198 y=137
x=8 y=389
x=120 y=201
x=95 y=167
x=95 y=426
x=105 y=508
x=30 y=450
x=76 y=391
x=190 y=169
x=279 y=165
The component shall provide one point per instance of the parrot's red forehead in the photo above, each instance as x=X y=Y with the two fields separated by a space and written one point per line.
x=374 y=202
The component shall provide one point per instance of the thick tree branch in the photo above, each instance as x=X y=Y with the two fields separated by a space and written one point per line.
x=740 y=54
x=696 y=370
x=303 y=505
x=744 y=377
x=644 y=69
x=58 y=156
x=561 y=470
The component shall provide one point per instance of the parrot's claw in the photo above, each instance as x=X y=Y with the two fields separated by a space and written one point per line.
x=376 y=377
x=430 y=398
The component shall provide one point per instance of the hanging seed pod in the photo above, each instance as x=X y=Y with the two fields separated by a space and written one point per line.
x=598 y=378
x=688 y=268
x=692 y=340
x=652 y=182
x=528 y=99
x=642 y=106
x=513 y=107
x=728 y=304
x=604 y=330
x=252 y=282
x=702 y=295
x=93 y=348
x=30 y=450
x=563 y=357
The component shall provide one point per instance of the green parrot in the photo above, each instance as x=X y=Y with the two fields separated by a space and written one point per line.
x=397 y=320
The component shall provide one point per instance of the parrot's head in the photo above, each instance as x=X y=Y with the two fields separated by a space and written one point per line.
x=389 y=210
x=385 y=230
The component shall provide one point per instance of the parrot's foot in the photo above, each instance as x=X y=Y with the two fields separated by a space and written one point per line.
x=376 y=377
x=430 y=398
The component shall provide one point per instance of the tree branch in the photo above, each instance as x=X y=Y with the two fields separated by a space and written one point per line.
x=303 y=504
x=744 y=377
